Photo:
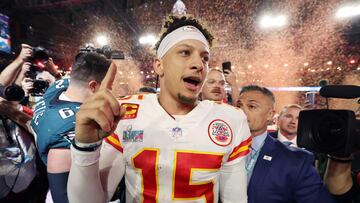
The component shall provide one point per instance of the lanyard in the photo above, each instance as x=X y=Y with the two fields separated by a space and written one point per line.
x=251 y=164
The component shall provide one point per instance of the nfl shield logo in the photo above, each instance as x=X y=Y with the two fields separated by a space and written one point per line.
x=220 y=132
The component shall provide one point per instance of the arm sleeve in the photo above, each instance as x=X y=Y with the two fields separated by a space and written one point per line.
x=309 y=187
x=233 y=183
x=95 y=175
x=233 y=177
x=57 y=184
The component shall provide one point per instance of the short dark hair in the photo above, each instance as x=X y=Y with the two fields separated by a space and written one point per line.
x=90 y=66
x=173 y=22
x=265 y=91
x=147 y=89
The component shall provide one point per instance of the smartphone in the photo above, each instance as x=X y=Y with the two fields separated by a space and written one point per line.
x=226 y=66
x=115 y=54
x=310 y=99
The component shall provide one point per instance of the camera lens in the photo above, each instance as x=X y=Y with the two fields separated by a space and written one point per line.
x=329 y=132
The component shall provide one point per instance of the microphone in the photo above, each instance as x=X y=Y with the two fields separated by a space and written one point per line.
x=340 y=91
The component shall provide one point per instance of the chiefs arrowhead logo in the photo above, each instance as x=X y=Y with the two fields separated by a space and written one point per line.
x=220 y=132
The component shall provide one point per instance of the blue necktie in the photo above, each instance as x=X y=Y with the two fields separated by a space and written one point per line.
x=250 y=163
x=287 y=143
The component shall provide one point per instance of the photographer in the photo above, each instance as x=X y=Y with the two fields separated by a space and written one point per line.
x=11 y=72
x=30 y=63
x=342 y=177
x=335 y=131
x=342 y=182
x=21 y=174
x=230 y=78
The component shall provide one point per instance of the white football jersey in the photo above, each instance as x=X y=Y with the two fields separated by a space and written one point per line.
x=179 y=160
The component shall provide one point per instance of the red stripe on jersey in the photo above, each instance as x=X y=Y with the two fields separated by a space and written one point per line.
x=114 y=141
x=241 y=150
x=240 y=154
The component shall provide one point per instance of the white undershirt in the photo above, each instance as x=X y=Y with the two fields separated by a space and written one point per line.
x=282 y=138
x=63 y=97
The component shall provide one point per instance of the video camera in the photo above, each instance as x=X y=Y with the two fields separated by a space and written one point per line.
x=12 y=92
x=105 y=50
x=38 y=60
x=333 y=132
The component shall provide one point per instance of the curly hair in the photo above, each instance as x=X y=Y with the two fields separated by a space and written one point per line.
x=173 y=22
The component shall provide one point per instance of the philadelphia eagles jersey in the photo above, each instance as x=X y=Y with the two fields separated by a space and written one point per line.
x=54 y=120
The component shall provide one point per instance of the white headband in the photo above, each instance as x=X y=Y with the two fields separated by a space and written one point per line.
x=180 y=34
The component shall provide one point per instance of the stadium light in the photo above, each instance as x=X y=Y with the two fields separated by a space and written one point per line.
x=102 y=40
x=271 y=21
x=147 y=39
x=348 y=11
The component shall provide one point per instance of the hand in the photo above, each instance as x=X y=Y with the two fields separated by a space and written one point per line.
x=99 y=115
x=50 y=67
x=27 y=85
x=308 y=105
x=11 y=110
x=25 y=53
x=25 y=67
x=230 y=77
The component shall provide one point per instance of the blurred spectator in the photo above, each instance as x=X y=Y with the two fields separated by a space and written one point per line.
x=288 y=124
x=214 y=86
x=230 y=78
x=273 y=124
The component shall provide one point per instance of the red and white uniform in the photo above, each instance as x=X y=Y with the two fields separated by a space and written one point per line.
x=190 y=158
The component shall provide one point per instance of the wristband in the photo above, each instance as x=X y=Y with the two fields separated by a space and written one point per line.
x=86 y=147
x=340 y=160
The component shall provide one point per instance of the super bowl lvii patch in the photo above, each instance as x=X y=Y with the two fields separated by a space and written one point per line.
x=133 y=135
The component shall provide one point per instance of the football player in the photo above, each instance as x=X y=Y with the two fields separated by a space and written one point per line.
x=170 y=146
x=54 y=118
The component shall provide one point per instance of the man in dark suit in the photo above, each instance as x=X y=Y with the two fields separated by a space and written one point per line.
x=288 y=124
x=276 y=172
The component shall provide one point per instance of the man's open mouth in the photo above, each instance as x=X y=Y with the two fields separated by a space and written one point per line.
x=192 y=82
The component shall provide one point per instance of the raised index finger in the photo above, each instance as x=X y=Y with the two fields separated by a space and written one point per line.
x=109 y=78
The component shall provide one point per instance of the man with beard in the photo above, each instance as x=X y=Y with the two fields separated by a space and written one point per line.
x=170 y=146
x=214 y=86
